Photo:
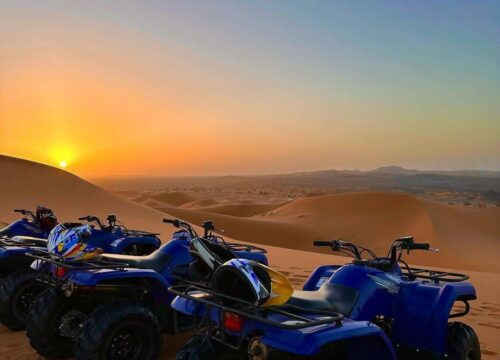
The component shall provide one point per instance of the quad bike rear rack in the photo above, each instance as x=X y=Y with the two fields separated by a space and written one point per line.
x=140 y=233
x=247 y=310
x=47 y=276
x=5 y=241
x=246 y=247
x=436 y=276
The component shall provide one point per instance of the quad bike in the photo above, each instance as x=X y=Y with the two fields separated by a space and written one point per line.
x=29 y=232
x=115 y=306
x=19 y=286
x=36 y=224
x=375 y=308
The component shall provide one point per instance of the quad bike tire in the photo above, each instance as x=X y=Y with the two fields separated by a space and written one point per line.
x=462 y=342
x=18 y=291
x=119 y=330
x=44 y=321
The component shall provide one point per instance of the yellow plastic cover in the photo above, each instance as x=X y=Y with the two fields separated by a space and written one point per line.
x=281 y=289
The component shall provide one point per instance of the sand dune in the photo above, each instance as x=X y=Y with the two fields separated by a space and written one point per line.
x=239 y=210
x=175 y=198
x=200 y=204
x=373 y=220
x=26 y=184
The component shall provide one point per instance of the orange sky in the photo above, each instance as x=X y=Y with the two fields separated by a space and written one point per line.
x=117 y=88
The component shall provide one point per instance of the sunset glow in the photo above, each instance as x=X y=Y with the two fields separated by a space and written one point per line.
x=258 y=87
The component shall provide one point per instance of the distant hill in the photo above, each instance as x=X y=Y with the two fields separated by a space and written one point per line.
x=26 y=184
x=462 y=186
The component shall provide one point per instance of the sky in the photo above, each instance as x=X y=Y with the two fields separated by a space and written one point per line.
x=247 y=87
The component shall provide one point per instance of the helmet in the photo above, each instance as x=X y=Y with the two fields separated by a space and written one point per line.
x=68 y=241
x=251 y=282
x=45 y=218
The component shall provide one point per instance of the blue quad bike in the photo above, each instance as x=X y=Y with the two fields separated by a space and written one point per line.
x=33 y=224
x=31 y=230
x=19 y=286
x=376 y=308
x=80 y=314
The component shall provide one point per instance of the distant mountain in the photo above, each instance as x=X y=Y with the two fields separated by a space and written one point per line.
x=393 y=170
x=398 y=170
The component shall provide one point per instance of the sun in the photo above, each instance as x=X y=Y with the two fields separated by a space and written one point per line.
x=63 y=164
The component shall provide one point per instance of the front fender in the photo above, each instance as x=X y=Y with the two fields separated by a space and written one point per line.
x=422 y=310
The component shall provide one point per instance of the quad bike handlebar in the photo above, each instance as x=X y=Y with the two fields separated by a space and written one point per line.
x=25 y=212
x=208 y=226
x=111 y=218
x=356 y=251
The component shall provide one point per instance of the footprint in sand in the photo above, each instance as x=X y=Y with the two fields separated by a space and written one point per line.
x=486 y=351
x=493 y=325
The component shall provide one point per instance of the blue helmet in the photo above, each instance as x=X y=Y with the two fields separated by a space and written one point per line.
x=68 y=241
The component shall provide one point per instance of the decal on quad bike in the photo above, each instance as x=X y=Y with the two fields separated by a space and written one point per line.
x=389 y=286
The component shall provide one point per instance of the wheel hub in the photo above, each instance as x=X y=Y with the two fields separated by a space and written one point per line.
x=25 y=302
x=70 y=323
x=121 y=345
x=127 y=343
x=257 y=350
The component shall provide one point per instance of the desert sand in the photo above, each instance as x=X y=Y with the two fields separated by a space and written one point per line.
x=469 y=238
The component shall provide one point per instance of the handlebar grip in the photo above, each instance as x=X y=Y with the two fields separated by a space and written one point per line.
x=322 y=243
x=174 y=222
x=83 y=218
x=421 y=246
x=19 y=210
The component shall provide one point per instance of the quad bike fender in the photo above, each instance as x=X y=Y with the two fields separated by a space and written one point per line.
x=23 y=228
x=422 y=311
x=119 y=245
x=319 y=276
x=363 y=340
x=9 y=252
x=188 y=307
x=255 y=256
x=127 y=279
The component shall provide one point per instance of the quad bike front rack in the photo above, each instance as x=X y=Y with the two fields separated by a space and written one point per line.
x=294 y=318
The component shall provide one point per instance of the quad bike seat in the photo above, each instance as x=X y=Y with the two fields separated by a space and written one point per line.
x=29 y=240
x=155 y=261
x=330 y=297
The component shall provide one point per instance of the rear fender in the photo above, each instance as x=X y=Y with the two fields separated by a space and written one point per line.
x=364 y=340
x=188 y=307
x=255 y=256
x=156 y=283
x=422 y=311
x=308 y=341
x=119 y=245
x=8 y=252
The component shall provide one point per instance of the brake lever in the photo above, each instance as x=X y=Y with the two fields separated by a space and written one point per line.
x=434 y=250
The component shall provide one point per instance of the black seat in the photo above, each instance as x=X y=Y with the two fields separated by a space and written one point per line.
x=155 y=261
x=330 y=297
